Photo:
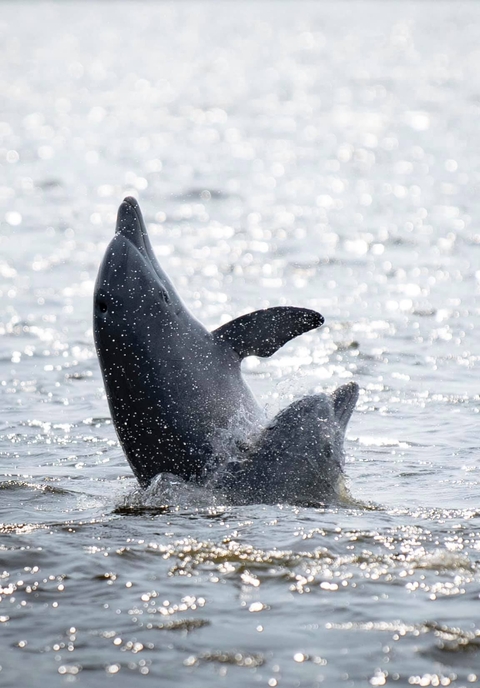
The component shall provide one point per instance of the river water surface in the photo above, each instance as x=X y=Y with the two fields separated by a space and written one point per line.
x=324 y=155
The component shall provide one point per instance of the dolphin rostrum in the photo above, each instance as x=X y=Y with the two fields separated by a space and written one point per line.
x=173 y=386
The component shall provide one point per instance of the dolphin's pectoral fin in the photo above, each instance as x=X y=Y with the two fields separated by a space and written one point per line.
x=344 y=400
x=261 y=333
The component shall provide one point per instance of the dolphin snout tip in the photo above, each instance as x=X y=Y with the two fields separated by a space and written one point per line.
x=126 y=206
x=131 y=201
x=129 y=219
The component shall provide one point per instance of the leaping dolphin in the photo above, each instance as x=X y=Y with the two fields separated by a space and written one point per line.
x=173 y=386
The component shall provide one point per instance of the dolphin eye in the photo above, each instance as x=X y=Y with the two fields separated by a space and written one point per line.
x=102 y=306
x=165 y=296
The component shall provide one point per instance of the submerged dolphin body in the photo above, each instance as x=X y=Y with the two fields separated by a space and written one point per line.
x=173 y=386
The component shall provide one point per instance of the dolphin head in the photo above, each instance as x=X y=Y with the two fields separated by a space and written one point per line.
x=299 y=457
x=315 y=426
x=131 y=284
x=136 y=307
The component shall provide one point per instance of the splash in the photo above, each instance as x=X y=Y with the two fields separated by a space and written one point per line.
x=166 y=493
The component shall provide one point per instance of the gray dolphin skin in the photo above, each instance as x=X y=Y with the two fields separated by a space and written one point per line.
x=299 y=457
x=173 y=386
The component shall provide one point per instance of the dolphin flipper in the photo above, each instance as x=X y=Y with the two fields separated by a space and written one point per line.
x=263 y=332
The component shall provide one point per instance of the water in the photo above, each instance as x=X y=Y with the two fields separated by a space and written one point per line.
x=324 y=155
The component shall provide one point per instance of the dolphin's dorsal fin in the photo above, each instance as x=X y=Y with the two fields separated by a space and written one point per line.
x=344 y=400
x=261 y=333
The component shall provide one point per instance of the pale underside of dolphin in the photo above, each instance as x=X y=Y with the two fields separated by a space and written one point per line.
x=174 y=388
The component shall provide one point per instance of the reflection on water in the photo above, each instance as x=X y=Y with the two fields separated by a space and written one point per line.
x=324 y=158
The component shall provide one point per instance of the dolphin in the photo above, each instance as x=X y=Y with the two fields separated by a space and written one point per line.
x=298 y=458
x=173 y=387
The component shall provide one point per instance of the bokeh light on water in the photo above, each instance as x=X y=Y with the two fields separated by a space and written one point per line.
x=314 y=154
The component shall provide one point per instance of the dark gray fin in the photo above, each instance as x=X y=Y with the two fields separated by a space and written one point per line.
x=344 y=400
x=261 y=333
